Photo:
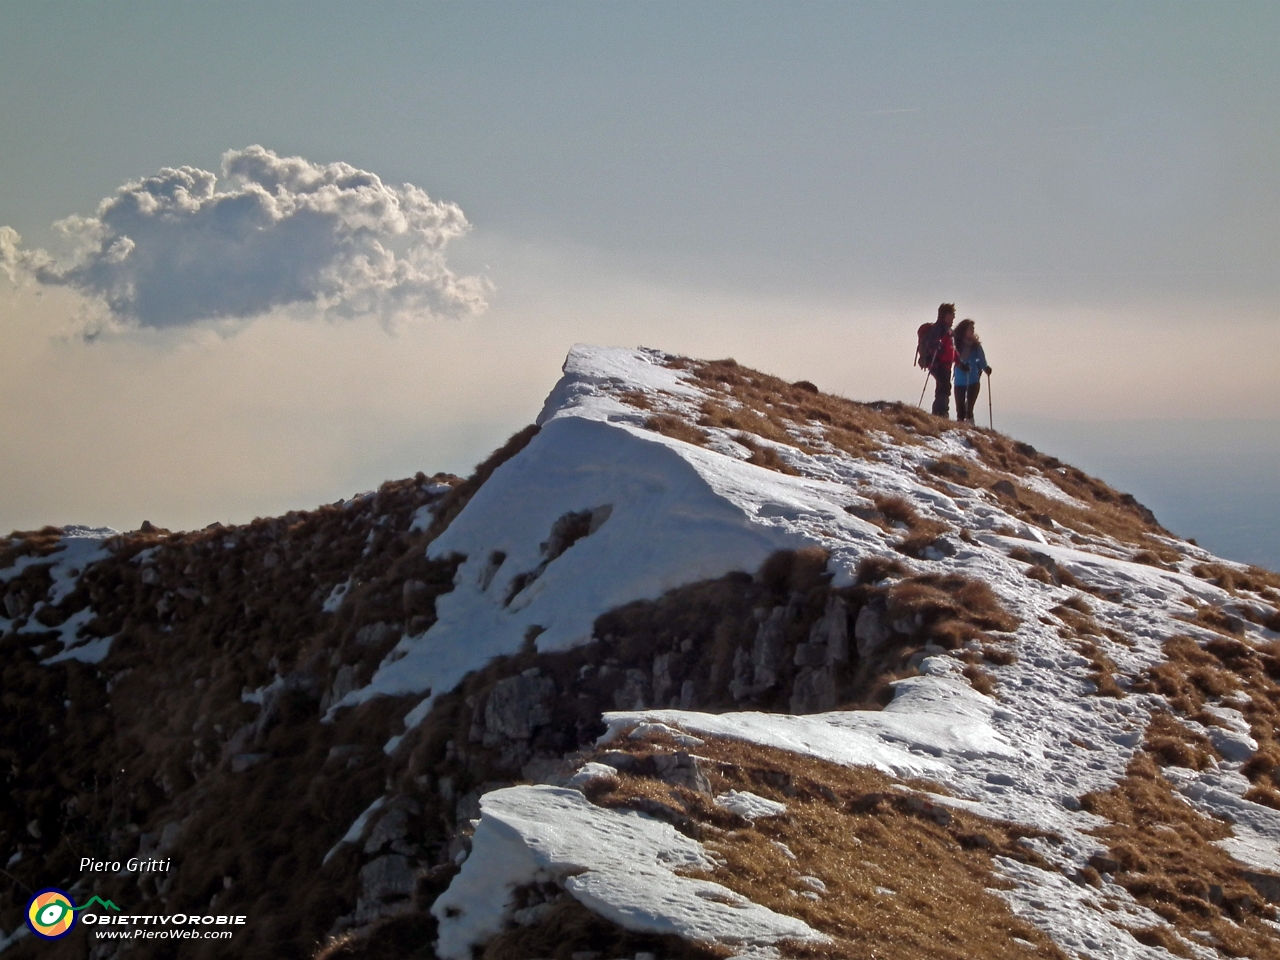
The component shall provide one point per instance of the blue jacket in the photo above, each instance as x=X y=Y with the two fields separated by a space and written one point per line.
x=977 y=361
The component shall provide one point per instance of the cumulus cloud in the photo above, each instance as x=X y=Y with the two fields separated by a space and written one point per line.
x=174 y=249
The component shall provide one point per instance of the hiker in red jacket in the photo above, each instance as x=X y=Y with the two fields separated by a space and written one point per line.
x=936 y=352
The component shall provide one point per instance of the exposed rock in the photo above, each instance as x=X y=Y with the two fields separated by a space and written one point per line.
x=1128 y=500
x=386 y=886
x=169 y=837
x=375 y=634
x=810 y=655
x=632 y=695
x=688 y=698
x=544 y=769
x=814 y=690
x=496 y=559
x=413 y=595
x=344 y=681
x=393 y=827
x=348 y=754
x=681 y=769
x=766 y=653
x=1267 y=885
x=572 y=527
x=662 y=682
x=1005 y=488
x=740 y=685
x=618 y=759
x=870 y=629
x=243 y=761
x=517 y=706
x=833 y=630
x=467 y=807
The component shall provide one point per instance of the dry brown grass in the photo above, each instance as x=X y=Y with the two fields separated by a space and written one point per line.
x=1162 y=851
x=980 y=679
x=757 y=403
x=775 y=410
x=1104 y=510
x=765 y=456
x=1253 y=579
x=636 y=398
x=846 y=425
x=1084 y=633
x=676 y=428
x=1189 y=676
x=897 y=509
x=29 y=543
x=893 y=512
x=877 y=569
x=1194 y=674
x=937 y=600
x=570 y=929
x=858 y=834
x=1045 y=569
x=1174 y=745
x=1218 y=620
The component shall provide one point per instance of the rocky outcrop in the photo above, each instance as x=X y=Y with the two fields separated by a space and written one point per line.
x=826 y=651
x=517 y=706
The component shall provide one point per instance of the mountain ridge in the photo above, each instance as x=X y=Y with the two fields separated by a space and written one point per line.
x=672 y=537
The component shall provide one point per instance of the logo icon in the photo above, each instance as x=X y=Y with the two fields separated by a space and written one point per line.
x=51 y=914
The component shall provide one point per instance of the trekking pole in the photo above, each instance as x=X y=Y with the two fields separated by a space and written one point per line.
x=991 y=420
x=927 y=374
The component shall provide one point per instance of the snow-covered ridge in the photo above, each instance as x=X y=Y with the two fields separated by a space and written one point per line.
x=601 y=509
x=678 y=512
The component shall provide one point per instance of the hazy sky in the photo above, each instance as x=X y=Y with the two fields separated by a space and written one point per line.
x=797 y=185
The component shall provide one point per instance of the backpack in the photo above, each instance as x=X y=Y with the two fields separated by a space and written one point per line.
x=928 y=343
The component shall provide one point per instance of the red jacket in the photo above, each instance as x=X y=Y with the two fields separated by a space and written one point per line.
x=945 y=353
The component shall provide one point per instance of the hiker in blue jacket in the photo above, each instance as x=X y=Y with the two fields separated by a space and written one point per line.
x=970 y=365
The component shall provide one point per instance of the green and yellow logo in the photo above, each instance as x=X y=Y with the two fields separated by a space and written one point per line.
x=51 y=914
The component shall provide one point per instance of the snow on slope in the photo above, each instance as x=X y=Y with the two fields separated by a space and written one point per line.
x=618 y=864
x=78 y=548
x=664 y=512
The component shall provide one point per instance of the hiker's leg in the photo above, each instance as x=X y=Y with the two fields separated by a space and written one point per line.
x=962 y=409
x=942 y=394
x=974 y=389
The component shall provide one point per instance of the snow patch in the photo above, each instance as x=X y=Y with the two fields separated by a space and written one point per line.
x=356 y=830
x=619 y=864
x=750 y=806
x=336 y=596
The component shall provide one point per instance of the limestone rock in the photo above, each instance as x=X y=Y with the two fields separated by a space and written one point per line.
x=517 y=706
x=374 y=634
x=632 y=694
x=870 y=629
x=766 y=654
x=814 y=690
x=740 y=686
x=833 y=630
x=662 y=682
x=386 y=887
x=682 y=770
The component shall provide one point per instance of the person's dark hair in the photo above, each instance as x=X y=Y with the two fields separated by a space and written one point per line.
x=964 y=331
x=946 y=308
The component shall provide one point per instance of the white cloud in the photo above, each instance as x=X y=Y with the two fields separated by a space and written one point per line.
x=174 y=249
